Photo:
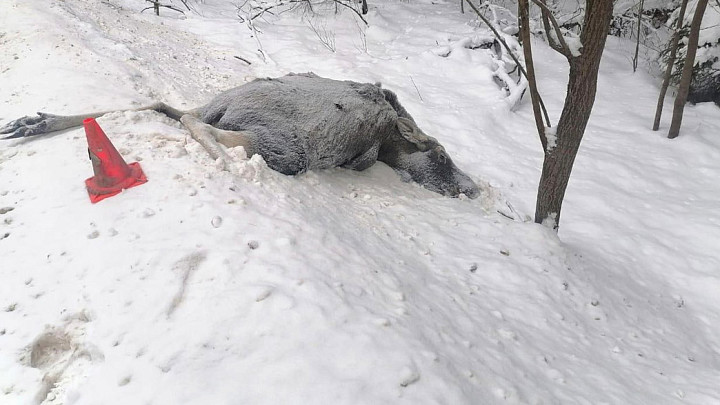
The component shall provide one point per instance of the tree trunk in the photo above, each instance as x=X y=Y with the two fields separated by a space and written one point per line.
x=524 y=15
x=673 y=46
x=582 y=86
x=637 y=43
x=684 y=85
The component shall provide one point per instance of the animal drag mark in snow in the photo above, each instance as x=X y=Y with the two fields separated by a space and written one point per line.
x=303 y=122
x=185 y=267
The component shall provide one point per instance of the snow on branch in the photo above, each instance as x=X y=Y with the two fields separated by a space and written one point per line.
x=502 y=40
x=557 y=41
x=259 y=8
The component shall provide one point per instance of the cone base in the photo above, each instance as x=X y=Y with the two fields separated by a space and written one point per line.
x=98 y=193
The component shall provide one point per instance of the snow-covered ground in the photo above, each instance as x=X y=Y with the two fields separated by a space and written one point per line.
x=343 y=287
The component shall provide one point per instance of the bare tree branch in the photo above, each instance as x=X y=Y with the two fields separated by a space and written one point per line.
x=156 y=5
x=416 y=89
x=280 y=4
x=547 y=14
x=243 y=59
x=637 y=44
x=327 y=38
x=185 y=3
x=288 y=2
x=524 y=14
x=353 y=10
x=510 y=52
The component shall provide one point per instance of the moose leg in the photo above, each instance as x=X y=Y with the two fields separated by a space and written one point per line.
x=364 y=160
x=211 y=138
x=171 y=112
x=44 y=123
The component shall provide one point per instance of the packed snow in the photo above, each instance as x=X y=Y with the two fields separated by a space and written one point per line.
x=337 y=286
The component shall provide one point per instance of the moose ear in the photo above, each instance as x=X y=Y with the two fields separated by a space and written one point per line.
x=411 y=133
x=407 y=128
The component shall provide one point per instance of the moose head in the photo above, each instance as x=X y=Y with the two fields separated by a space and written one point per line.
x=420 y=158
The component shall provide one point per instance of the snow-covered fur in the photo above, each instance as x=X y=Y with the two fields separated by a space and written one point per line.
x=303 y=122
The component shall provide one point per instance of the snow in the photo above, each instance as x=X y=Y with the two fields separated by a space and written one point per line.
x=709 y=34
x=551 y=136
x=338 y=286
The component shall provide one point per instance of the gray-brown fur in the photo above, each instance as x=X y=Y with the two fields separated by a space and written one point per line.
x=303 y=122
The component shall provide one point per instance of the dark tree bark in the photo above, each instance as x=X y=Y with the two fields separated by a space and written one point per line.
x=637 y=43
x=684 y=85
x=581 y=89
x=524 y=15
x=673 y=46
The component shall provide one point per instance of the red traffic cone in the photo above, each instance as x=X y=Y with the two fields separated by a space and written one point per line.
x=112 y=174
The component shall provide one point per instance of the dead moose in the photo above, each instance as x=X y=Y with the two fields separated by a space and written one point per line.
x=303 y=122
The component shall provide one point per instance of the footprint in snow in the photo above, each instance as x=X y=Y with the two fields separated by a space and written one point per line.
x=62 y=356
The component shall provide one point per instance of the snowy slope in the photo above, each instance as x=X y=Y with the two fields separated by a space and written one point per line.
x=338 y=286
